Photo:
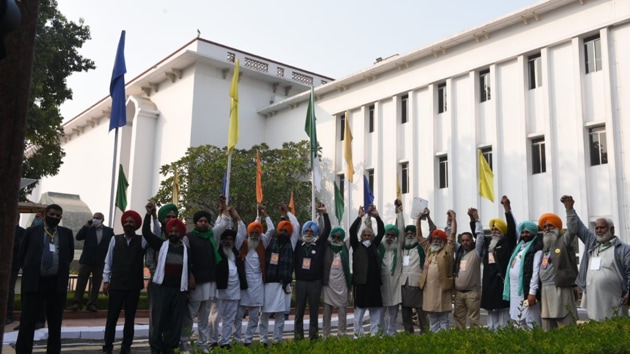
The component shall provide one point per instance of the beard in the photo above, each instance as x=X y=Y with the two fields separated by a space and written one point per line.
x=437 y=246
x=411 y=241
x=252 y=244
x=550 y=238
x=390 y=245
x=308 y=238
x=228 y=252
x=605 y=237
x=336 y=243
x=494 y=241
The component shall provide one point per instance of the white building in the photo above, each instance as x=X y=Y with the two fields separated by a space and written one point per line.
x=536 y=90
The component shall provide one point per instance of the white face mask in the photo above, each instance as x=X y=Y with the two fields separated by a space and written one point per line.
x=96 y=222
x=367 y=243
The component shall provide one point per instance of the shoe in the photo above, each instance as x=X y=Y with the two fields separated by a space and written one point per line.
x=16 y=328
x=76 y=306
x=92 y=308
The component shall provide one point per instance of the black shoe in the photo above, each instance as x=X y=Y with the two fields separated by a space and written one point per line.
x=76 y=306
x=16 y=328
x=92 y=308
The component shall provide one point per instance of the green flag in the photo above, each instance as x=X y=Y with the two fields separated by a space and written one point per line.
x=121 y=190
x=311 y=131
x=339 y=204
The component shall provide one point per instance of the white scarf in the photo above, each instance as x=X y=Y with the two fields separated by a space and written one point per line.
x=158 y=277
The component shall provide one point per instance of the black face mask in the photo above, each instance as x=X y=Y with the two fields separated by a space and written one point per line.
x=52 y=222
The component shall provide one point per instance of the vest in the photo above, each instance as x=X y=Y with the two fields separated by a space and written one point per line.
x=564 y=262
x=127 y=271
x=223 y=270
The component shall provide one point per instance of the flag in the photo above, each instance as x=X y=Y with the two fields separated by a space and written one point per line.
x=347 y=149
x=339 y=204
x=368 y=197
x=259 y=192
x=121 y=190
x=486 y=178
x=292 y=204
x=310 y=129
x=398 y=189
x=233 y=132
x=176 y=188
x=118 y=115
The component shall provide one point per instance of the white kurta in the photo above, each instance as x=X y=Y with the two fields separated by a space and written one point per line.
x=254 y=295
x=603 y=286
x=274 y=298
x=336 y=292
x=518 y=312
x=391 y=290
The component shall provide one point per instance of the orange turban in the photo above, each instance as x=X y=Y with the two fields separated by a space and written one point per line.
x=439 y=234
x=285 y=224
x=499 y=224
x=550 y=218
x=255 y=226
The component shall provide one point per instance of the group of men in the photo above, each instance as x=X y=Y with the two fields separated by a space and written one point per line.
x=217 y=274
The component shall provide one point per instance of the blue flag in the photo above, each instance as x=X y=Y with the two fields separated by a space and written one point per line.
x=368 y=197
x=118 y=116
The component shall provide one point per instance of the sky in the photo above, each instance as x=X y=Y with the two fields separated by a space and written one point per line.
x=333 y=38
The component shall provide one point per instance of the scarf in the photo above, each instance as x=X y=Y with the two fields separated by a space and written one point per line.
x=506 y=284
x=209 y=235
x=158 y=277
x=421 y=253
x=381 y=252
x=345 y=260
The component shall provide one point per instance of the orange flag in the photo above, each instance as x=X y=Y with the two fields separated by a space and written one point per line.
x=259 y=192
x=292 y=204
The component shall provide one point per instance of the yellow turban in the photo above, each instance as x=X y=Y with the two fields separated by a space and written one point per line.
x=499 y=224
x=550 y=218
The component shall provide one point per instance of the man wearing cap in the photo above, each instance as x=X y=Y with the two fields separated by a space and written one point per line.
x=522 y=283
x=336 y=281
x=605 y=267
x=558 y=272
x=390 y=253
x=278 y=274
x=437 y=278
x=170 y=284
x=309 y=261
x=366 y=272
x=496 y=256
x=252 y=252
x=204 y=256
x=123 y=278
x=468 y=275
x=412 y=266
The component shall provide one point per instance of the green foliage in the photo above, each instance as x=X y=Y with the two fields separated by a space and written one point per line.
x=143 y=302
x=56 y=57
x=201 y=180
x=611 y=336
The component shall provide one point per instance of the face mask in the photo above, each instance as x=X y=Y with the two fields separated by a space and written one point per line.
x=97 y=222
x=367 y=243
x=52 y=222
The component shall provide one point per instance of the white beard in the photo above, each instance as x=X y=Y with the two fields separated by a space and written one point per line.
x=336 y=243
x=605 y=237
x=437 y=246
x=253 y=244
x=493 y=242
x=308 y=239
x=228 y=253
x=411 y=241
x=391 y=246
x=550 y=238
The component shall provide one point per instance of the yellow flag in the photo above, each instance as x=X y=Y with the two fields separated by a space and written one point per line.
x=176 y=188
x=233 y=132
x=486 y=178
x=347 y=148
x=398 y=189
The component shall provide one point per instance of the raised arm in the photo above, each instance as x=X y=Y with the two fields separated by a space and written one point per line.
x=452 y=221
x=574 y=224
x=354 y=229
x=325 y=233
x=400 y=223
x=380 y=226
x=477 y=230
x=511 y=223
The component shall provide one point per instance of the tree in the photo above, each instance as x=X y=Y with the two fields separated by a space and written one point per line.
x=56 y=57
x=201 y=173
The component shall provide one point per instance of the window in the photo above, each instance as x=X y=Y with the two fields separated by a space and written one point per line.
x=443 y=169
x=403 y=108
x=442 y=97
x=534 y=68
x=342 y=182
x=371 y=119
x=592 y=54
x=484 y=85
x=370 y=177
x=487 y=153
x=597 y=143
x=404 y=174
x=342 y=129
x=539 y=163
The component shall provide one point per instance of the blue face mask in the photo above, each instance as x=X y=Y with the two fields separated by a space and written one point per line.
x=38 y=222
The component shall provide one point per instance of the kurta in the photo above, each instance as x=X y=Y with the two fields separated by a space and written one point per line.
x=390 y=290
x=603 y=284
x=336 y=292
x=518 y=312
x=555 y=302
x=434 y=298
x=274 y=298
x=255 y=293
x=233 y=291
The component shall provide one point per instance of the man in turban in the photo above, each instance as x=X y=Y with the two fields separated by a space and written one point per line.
x=123 y=278
x=558 y=272
x=336 y=281
x=204 y=256
x=252 y=252
x=366 y=272
x=437 y=278
x=496 y=256
x=522 y=283
x=279 y=274
x=412 y=265
x=468 y=275
x=309 y=265
x=604 y=273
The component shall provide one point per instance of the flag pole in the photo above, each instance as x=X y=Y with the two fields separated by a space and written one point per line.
x=112 y=209
x=349 y=205
x=227 y=179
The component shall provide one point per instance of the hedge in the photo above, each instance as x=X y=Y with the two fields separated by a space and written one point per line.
x=143 y=303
